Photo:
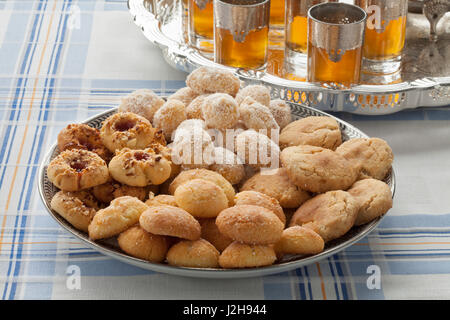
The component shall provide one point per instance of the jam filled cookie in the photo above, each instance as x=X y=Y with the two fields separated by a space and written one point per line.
x=82 y=136
x=139 y=168
x=331 y=214
x=126 y=130
x=78 y=208
x=77 y=169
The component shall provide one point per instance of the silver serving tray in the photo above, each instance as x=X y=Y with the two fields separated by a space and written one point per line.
x=425 y=76
x=110 y=247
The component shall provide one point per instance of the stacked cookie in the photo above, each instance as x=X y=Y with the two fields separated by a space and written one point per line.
x=217 y=176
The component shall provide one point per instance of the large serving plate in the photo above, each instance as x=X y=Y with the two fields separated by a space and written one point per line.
x=110 y=248
x=425 y=77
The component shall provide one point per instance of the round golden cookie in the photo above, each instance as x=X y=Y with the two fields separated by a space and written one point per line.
x=82 y=136
x=317 y=169
x=240 y=255
x=257 y=150
x=259 y=93
x=372 y=155
x=314 y=131
x=276 y=184
x=110 y=190
x=161 y=200
x=187 y=126
x=121 y=214
x=299 y=240
x=170 y=221
x=139 y=168
x=126 y=130
x=258 y=117
x=250 y=224
x=169 y=117
x=211 y=233
x=195 y=254
x=220 y=111
x=185 y=95
x=259 y=199
x=201 y=198
x=78 y=208
x=331 y=214
x=211 y=80
x=281 y=112
x=228 y=165
x=143 y=102
x=204 y=174
x=194 y=109
x=138 y=243
x=77 y=169
x=374 y=198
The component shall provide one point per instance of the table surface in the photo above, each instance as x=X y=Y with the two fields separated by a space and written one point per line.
x=62 y=61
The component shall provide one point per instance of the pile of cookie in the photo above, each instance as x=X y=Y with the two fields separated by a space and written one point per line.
x=217 y=176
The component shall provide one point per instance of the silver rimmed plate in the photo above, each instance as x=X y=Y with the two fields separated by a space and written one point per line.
x=110 y=247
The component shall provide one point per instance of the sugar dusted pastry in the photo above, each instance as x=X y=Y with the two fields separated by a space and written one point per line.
x=185 y=95
x=195 y=254
x=220 y=111
x=259 y=93
x=126 y=130
x=281 y=112
x=258 y=117
x=201 y=198
x=211 y=80
x=78 y=208
x=250 y=224
x=77 y=169
x=82 y=136
x=240 y=255
x=141 y=244
x=139 y=168
x=228 y=165
x=143 y=102
x=194 y=109
x=121 y=214
x=169 y=116
x=257 y=150
x=170 y=221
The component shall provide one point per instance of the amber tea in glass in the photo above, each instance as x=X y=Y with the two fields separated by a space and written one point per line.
x=201 y=25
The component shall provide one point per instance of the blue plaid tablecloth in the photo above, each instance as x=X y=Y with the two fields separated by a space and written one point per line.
x=62 y=61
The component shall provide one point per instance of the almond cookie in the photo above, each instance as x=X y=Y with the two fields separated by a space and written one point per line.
x=139 y=168
x=331 y=214
x=204 y=174
x=161 y=200
x=120 y=215
x=185 y=95
x=259 y=199
x=77 y=169
x=258 y=117
x=126 y=130
x=110 y=190
x=314 y=131
x=299 y=240
x=169 y=117
x=281 y=112
x=317 y=169
x=82 y=136
x=276 y=184
x=373 y=156
x=201 y=198
x=228 y=165
x=211 y=232
x=259 y=93
x=240 y=255
x=211 y=80
x=170 y=221
x=374 y=197
x=220 y=111
x=78 y=208
x=143 y=245
x=143 y=102
x=195 y=254
x=250 y=224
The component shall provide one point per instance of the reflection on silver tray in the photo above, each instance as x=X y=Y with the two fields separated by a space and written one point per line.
x=423 y=82
x=110 y=247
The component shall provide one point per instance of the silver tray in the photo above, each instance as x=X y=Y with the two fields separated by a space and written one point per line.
x=425 y=76
x=110 y=247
